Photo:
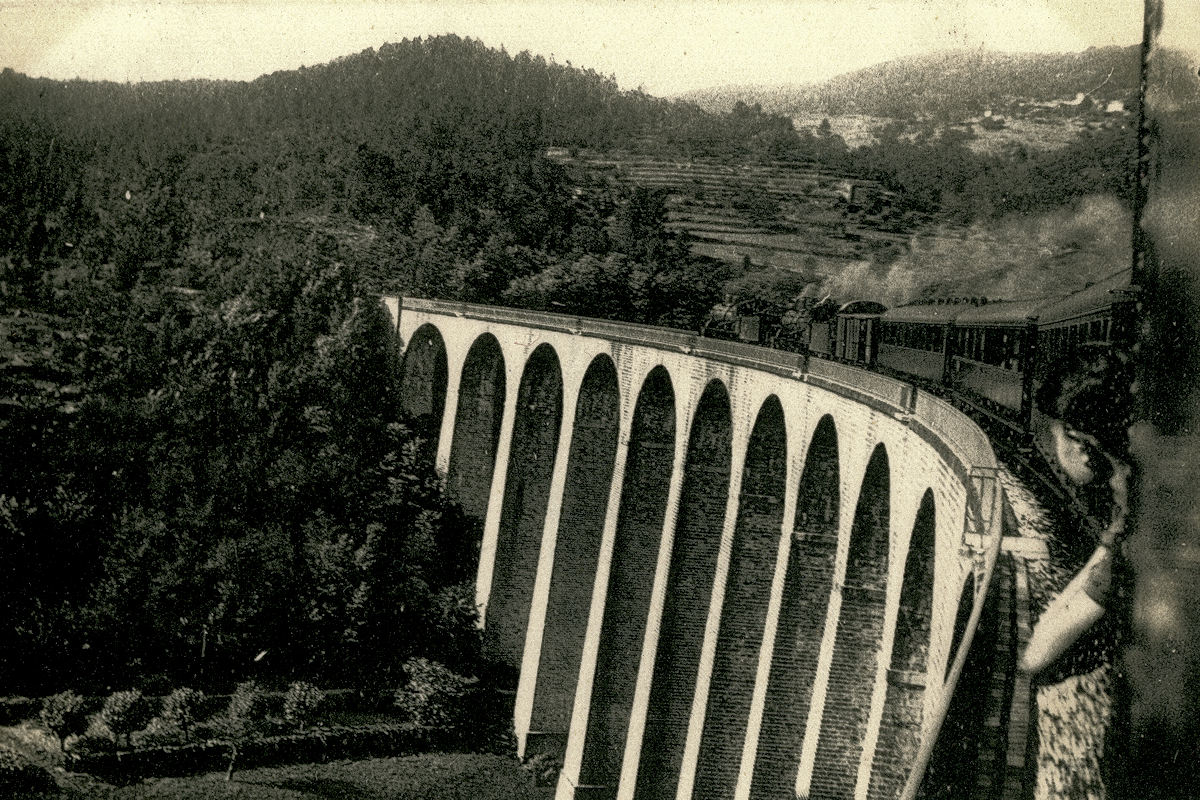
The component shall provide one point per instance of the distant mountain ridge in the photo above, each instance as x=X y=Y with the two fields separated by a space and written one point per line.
x=949 y=84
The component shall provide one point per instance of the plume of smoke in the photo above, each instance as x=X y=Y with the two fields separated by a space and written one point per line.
x=1015 y=257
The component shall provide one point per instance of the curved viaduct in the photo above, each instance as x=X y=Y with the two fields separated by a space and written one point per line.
x=721 y=571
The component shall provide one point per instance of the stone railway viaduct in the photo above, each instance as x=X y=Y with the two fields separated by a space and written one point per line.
x=721 y=571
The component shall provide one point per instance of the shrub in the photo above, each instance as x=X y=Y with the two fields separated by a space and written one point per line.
x=124 y=713
x=435 y=695
x=64 y=715
x=96 y=739
x=457 y=639
x=182 y=709
x=158 y=733
x=247 y=703
x=301 y=703
x=544 y=768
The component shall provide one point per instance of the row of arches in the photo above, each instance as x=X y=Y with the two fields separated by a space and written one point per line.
x=703 y=585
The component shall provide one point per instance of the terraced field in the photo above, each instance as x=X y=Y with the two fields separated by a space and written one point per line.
x=794 y=216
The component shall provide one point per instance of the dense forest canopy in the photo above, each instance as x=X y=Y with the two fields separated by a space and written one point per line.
x=200 y=442
x=200 y=445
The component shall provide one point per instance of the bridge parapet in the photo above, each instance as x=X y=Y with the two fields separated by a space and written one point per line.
x=694 y=405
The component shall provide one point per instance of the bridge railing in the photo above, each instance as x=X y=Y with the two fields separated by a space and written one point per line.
x=985 y=498
x=829 y=374
x=898 y=393
x=956 y=429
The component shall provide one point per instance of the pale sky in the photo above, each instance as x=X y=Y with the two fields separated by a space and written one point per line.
x=666 y=47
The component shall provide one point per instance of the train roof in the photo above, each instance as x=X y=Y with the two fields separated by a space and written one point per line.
x=1097 y=297
x=1000 y=312
x=925 y=313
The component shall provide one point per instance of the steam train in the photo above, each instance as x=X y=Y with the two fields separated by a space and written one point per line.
x=988 y=357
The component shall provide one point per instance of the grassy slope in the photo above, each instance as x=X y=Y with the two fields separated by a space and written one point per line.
x=432 y=776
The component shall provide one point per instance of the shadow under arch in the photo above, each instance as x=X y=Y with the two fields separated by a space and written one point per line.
x=744 y=610
x=900 y=728
x=576 y=552
x=423 y=378
x=477 y=419
x=807 y=586
x=640 y=521
x=536 y=427
x=858 y=639
x=954 y=766
x=698 y=528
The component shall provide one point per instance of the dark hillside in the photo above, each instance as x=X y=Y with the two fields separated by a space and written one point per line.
x=202 y=455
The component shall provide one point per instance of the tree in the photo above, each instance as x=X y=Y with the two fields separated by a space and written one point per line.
x=301 y=702
x=182 y=708
x=435 y=696
x=125 y=713
x=638 y=228
x=242 y=721
x=64 y=715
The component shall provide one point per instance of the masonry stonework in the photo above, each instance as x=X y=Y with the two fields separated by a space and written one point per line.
x=859 y=634
x=900 y=732
x=693 y=561
x=747 y=591
x=526 y=491
x=663 y=541
x=802 y=618
x=639 y=528
x=584 y=505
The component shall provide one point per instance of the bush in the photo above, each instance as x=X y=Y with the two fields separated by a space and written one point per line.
x=96 y=739
x=181 y=708
x=125 y=713
x=247 y=704
x=544 y=768
x=158 y=733
x=64 y=715
x=435 y=695
x=18 y=776
x=301 y=703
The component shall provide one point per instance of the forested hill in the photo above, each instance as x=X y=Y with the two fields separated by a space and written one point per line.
x=952 y=84
x=443 y=123
x=200 y=457
x=438 y=85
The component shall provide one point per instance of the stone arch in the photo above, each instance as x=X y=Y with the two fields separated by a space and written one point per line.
x=698 y=530
x=900 y=732
x=954 y=767
x=810 y=569
x=640 y=521
x=423 y=377
x=859 y=637
x=536 y=427
x=477 y=418
x=747 y=593
x=576 y=552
